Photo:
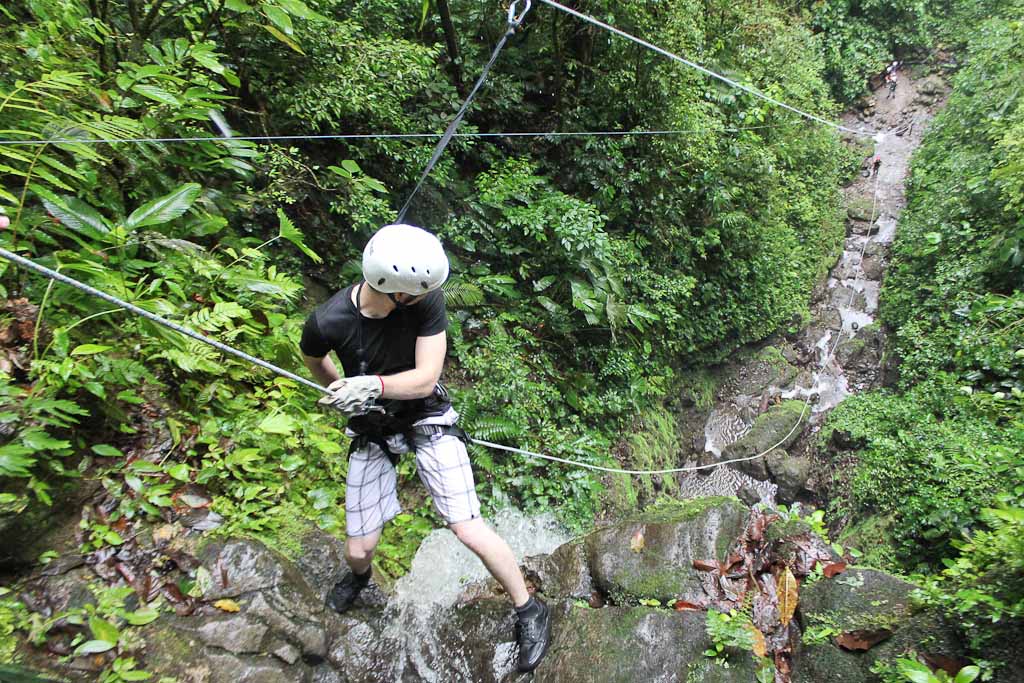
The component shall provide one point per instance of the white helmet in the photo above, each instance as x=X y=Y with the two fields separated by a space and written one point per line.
x=404 y=258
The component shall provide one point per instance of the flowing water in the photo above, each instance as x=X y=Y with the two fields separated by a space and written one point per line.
x=423 y=599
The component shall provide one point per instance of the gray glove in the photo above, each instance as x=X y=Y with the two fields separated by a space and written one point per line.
x=353 y=395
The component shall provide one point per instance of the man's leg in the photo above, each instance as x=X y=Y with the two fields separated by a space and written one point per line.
x=494 y=552
x=370 y=501
x=443 y=465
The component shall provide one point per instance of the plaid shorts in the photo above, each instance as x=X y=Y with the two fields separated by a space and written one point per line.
x=371 y=498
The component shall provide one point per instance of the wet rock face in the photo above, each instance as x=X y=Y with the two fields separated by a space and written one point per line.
x=672 y=540
x=771 y=429
x=877 y=607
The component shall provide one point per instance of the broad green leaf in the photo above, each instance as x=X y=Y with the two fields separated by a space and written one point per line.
x=89 y=349
x=93 y=647
x=351 y=166
x=238 y=6
x=112 y=537
x=967 y=674
x=141 y=616
x=298 y=8
x=39 y=440
x=166 y=208
x=103 y=630
x=283 y=38
x=14 y=461
x=288 y=231
x=278 y=17
x=157 y=94
x=179 y=471
x=107 y=451
x=146 y=467
x=73 y=212
x=277 y=424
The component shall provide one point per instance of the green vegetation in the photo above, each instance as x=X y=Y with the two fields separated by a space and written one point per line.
x=939 y=456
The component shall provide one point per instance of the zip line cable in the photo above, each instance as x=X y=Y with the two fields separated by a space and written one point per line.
x=382 y=136
x=514 y=22
x=59 y=277
x=702 y=69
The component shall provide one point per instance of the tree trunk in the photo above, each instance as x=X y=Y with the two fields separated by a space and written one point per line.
x=452 y=45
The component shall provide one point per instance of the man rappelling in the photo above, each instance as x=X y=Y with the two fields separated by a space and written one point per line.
x=389 y=333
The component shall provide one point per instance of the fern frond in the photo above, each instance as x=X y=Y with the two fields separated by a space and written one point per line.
x=458 y=293
x=495 y=428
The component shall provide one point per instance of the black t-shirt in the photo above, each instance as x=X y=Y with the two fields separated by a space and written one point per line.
x=389 y=344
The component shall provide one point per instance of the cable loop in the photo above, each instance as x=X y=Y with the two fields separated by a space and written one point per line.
x=513 y=20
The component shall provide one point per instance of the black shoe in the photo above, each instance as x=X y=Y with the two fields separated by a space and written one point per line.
x=533 y=633
x=346 y=591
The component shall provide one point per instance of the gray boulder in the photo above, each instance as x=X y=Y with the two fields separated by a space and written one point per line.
x=673 y=538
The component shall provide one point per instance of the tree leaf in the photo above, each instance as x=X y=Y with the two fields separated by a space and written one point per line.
x=227 y=605
x=93 y=647
x=277 y=424
x=834 y=569
x=967 y=674
x=103 y=630
x=298 y=8
x=862 y=640
x=107 y=451
x=788 y=596
x=278 y=17
x=76 y=214
x=759 y=647
x=288 y=231
x=89 y=349
x=164 y=209
x=157 y=94
x=636 y=543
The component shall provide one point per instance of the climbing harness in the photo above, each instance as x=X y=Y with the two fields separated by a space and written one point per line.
x=430 y=429
x=514 y=21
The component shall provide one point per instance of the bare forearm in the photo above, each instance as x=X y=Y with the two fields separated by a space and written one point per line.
x=409 y=384
x=322 y=369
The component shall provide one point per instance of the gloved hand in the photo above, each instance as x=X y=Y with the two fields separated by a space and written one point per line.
x=353 y=395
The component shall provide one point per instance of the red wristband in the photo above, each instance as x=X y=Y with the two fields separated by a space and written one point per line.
x=381 y=384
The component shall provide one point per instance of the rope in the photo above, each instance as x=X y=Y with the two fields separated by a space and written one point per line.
x=702 y=69
x=513 y=23
x=64 y=279
x=379 y=136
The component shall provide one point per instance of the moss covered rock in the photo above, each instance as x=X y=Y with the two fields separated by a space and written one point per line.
x=771 y=429
x=673 y=537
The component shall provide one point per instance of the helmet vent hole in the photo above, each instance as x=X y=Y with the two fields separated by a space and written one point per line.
x=412 y=268
x=428 y=272
x=395 y=267
x=423 y=285
x=381 y=281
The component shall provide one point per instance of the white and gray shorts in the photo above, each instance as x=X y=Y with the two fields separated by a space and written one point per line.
x=371 y=498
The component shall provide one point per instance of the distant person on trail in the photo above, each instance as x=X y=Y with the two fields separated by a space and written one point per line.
x=891 y=80
x=388 y=331
x=875 y=165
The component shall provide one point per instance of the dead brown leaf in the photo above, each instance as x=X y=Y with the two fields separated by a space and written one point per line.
x=636 y=543
x=834 y=569
x=759 y=644
x=862 y=640
x=227 y=605
x=950 y=665
x=705 y=566
x=683 y=606
x=788 y=596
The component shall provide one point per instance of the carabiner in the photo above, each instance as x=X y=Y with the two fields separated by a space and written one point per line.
x=514 y=20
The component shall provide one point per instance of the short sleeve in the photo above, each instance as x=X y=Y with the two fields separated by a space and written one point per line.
x=434 y=317
x=313 y=342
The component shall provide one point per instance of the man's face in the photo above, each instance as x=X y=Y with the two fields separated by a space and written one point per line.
x=404 y=299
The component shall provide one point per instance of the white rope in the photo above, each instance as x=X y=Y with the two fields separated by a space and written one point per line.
x=702 y=69
x=374 y=136
x=60 y=277
x=615 y=470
